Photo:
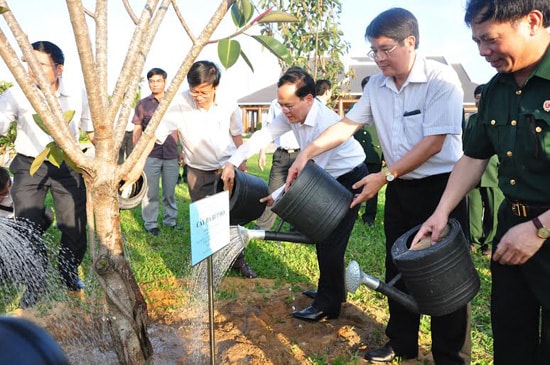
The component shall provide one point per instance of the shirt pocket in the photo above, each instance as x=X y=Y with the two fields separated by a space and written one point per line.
x=537 y=135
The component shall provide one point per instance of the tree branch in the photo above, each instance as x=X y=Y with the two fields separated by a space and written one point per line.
x=183 y=22
x=43 y=101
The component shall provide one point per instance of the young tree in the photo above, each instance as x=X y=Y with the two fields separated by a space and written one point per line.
x=315 y=42
x=126 y=308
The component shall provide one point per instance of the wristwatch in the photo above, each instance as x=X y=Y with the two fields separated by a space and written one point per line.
x=542 y=232
x=389 y=175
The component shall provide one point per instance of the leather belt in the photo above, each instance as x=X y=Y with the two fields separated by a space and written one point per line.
x=289 y=150
x=520 y=209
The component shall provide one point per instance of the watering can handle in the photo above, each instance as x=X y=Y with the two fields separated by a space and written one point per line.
x=391 y=292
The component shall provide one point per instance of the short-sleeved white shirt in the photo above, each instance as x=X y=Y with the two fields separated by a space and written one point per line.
x=205 y=135
x=337 y=161
x=31 y=140
x=434 y=90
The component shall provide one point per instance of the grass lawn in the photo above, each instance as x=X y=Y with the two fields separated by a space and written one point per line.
x=156 y=260
x=161 y=257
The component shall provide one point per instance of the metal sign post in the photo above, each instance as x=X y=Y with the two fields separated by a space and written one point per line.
x=209 y=222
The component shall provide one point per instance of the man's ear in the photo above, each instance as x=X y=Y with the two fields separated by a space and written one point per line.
x=59 y=70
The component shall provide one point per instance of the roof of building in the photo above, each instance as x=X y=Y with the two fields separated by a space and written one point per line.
x=358 y=68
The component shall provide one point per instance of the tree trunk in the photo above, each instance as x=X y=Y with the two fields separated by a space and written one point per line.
x=126 y=310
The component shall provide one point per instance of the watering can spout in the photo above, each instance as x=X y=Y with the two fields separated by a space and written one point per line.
x=355 y=277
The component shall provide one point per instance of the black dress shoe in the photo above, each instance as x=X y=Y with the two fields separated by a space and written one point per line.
x=310 y=293
x=154 y=231
x=313 y=314
x=385 y=354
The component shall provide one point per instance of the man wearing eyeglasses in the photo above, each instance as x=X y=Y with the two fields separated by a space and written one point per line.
x=416 y=106
x=307 y=117
x=209 y=130
x=65 y=185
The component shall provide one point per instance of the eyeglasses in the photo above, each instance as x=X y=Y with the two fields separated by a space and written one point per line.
x=374 y=54
x=290 y=107
x=203 y=94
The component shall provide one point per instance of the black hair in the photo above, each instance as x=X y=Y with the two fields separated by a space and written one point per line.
x=4 y=177
x=203 y=72
x=478 y=89
x=479 y=11
x=156 y=71
x=303 y=81
x=50 y=49
x=364 y=81
x=395 y=23
x=322 y=86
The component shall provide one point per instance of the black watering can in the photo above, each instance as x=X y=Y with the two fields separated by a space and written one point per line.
x=440 y=278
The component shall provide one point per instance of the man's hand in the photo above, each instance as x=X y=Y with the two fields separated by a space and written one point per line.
x=228 y=177
x=262 y=160
x=295 y=169
x=372 y=183
x=268 y=199
x=518 y=245
x=432 y=229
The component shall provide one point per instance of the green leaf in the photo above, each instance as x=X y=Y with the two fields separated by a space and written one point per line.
x=3 y=10
x=278 y=16
x=40 y=123
x=38 y=160
x=241 y=12
x=68 y=115
x=245 y=58
x=275 y=47
x=56 y=154
x=228 y=52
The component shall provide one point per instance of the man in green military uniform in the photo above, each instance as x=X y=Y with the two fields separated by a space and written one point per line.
x=485 y=198
x=513 y=122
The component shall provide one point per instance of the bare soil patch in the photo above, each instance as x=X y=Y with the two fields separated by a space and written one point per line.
x=252 y=327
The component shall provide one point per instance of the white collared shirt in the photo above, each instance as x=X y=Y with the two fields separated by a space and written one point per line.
x=205 y=135
x=433 y=95
x=31 y=140
x=338 y=161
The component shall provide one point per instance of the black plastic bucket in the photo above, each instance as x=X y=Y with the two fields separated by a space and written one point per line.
x=315 y=203
x=244 y=201
x=441 y=278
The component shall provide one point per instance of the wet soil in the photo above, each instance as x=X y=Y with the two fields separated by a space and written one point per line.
x=251 y=326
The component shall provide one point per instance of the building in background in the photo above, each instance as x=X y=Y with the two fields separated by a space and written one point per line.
x=255 y=105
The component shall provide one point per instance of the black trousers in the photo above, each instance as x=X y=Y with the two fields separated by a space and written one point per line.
x=331 y=290
x=408 y=204
x=69 y=196
x=520 y=303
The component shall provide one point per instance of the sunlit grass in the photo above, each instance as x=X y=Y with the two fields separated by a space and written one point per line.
x=162 y=262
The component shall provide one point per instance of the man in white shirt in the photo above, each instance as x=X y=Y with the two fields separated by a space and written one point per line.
x=307 y=118
x=66 y=186
x=416 y=106
x=209 y=131
x=287 y=149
